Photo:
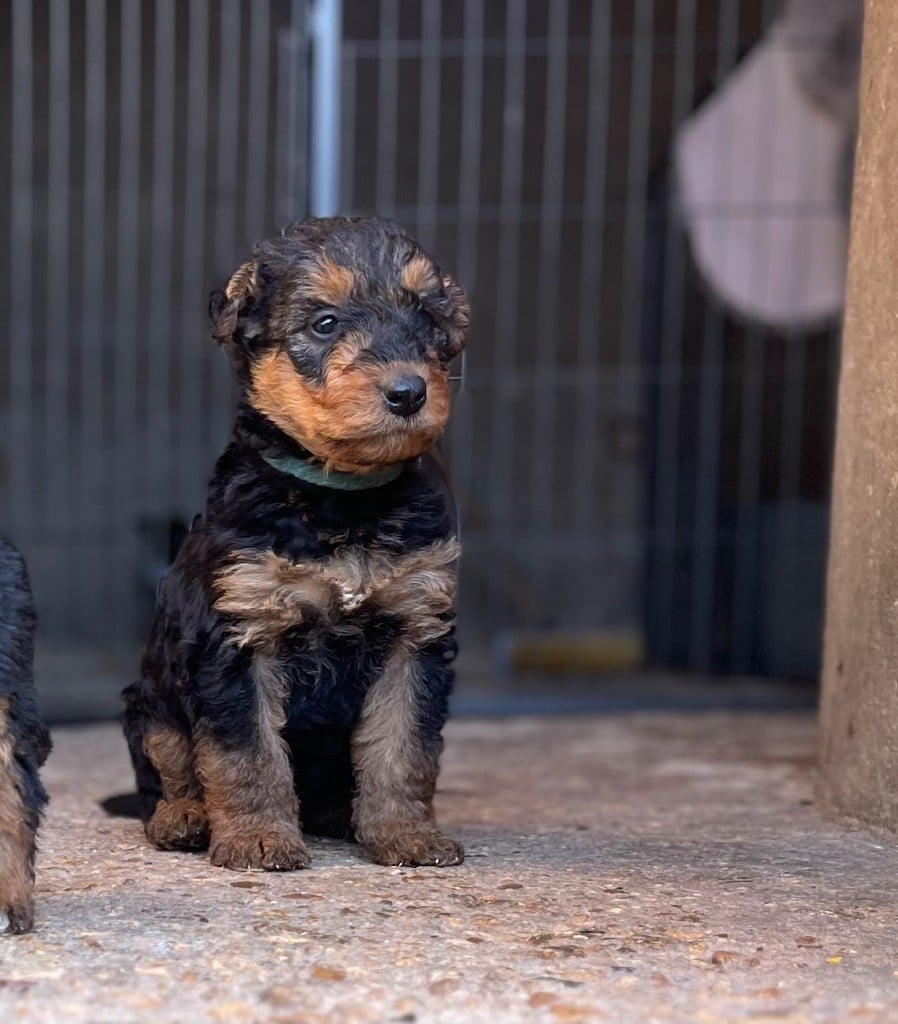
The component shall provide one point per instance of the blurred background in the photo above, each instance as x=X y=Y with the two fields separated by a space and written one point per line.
x=647 y=201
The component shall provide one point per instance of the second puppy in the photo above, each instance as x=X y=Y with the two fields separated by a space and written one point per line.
x=300 y=655
x=24 y=745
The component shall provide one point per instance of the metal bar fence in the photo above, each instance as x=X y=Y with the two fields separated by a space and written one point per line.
x=529 y=145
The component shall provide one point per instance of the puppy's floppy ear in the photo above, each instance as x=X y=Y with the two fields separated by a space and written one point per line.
x=453 y=314
x=443 y=298
x=235 y=312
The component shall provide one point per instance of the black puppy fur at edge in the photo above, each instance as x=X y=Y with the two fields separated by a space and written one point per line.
x=197 y=685
x=24 y=744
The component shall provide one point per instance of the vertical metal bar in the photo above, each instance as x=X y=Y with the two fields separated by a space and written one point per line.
x=158 y=446
x=705 y=532
x=282 y=135
x=193 y=238
x=58 y=340
x=126 y=313
x=21 y=340
x=254 y=222
x=326 y=26
x=226 y=201
x=292 y=140
x=300 y=119
x=638 y=141
x=789 y=539
x=471 y=133
x=542 y=490
x=502 y=427
x=745 y=567
x=228 y=125
x=92 y=399
x=748 y=488
x=670 y=369
x=625 y=493
x=57 y=439
x=461 y=440
x=589 y=326
x=387 y=107
x=348 y=132
x=429 y=124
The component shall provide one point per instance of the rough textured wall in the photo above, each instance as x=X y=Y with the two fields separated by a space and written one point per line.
x=860 y=676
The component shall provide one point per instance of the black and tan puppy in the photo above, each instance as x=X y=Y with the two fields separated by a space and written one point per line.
x=24 y=745
x=300 y=657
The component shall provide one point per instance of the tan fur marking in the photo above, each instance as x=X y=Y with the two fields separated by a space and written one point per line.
x=271 y=717
x=344 y=421
x=171 y=756
x=249 y=793
x=243 y=282
x=384 y=746
x=16 y=839
x=330 y=283
x=444 y=296
x=419 y=589
x=419 y=275
x=179 y=825
x=179 y=819
x=393 y=813
x=268 y=595
x=459 y=320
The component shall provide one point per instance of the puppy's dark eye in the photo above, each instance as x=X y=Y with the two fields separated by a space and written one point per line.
x=325 y=326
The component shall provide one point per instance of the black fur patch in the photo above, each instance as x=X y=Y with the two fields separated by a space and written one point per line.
x=197 y=678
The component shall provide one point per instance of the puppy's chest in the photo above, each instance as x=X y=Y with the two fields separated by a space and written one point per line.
x=266 y=595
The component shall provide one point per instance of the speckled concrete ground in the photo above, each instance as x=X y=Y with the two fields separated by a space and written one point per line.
x=630 y=869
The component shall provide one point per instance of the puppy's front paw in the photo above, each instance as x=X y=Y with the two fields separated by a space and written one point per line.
x=260 y=851
x=179 y=825
x=404 y=843
x=17 y=918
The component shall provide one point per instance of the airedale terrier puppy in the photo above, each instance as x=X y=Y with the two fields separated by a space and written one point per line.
x=24 y=745
x=300 y=656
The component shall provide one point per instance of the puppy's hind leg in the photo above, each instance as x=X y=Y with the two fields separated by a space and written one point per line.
x=21 y=799
x=24 y=745
x=172 y=797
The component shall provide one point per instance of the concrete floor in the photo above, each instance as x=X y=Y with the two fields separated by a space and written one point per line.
x=638 y=868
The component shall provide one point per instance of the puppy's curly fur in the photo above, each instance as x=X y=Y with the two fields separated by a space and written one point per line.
x=301 y=651
x=24 y=745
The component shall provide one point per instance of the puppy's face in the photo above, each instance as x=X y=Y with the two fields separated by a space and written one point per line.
x=344 y=331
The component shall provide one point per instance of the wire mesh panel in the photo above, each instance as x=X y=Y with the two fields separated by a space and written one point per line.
x=625 y=452
x=151 y=144
x=480 y=119
x=628 y=450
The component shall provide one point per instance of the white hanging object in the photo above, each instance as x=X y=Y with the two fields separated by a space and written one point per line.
x=758 y=173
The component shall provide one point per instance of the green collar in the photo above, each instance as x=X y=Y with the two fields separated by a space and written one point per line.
x=313 y=474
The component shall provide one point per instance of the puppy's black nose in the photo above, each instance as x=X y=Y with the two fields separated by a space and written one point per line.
x=405 y=394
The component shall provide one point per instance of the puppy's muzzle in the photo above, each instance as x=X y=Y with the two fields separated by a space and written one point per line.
x=405 y=394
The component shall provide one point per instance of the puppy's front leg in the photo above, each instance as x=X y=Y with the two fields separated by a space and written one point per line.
x=395 y=750
x=244 y=766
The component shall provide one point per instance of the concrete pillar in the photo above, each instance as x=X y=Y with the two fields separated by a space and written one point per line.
x=859 y=712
